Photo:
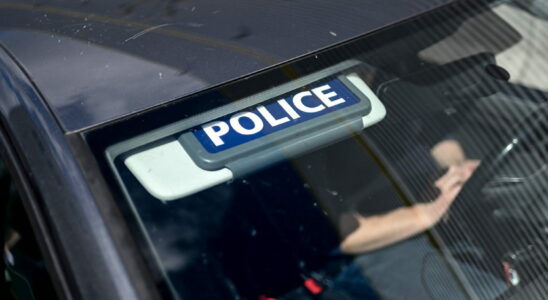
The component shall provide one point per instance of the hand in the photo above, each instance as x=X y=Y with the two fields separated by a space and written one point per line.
x=449 y=185
x=452 y=181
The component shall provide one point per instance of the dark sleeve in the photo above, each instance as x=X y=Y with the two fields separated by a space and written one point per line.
x=347 y=224
x=351 y=184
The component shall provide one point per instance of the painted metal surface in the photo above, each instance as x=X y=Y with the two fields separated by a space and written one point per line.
x=96 y=61
x=73 y=218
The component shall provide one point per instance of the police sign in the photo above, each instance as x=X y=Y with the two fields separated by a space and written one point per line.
x=278 y=114
x=252 y=133
x=281 y=122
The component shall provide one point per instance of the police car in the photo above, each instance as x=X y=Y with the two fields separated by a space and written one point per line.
x=274 y=150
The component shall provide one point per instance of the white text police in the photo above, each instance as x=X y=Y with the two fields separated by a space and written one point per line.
x=253 y=121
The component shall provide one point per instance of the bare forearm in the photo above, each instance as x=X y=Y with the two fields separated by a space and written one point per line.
x=379 y=231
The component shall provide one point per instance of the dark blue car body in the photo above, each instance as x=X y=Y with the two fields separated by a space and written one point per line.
x=85 y=85
x=67 y=67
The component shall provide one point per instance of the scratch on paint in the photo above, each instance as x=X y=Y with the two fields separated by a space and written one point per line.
x=143 y=32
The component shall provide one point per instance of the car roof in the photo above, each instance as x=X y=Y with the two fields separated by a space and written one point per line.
x=96 y=61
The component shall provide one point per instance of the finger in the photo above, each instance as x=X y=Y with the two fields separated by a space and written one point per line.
x=471 y=164
x=451 y=195
x=453 y=179
x=445 y=177
x=469 y=168
x=454 y=190
x=475 y=162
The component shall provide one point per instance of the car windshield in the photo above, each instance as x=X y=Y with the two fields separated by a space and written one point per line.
x=411 y=161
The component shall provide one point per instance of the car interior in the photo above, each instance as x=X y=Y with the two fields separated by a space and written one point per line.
x=276 y=233
x=25 y=276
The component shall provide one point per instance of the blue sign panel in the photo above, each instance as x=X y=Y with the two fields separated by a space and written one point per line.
x=280 y=113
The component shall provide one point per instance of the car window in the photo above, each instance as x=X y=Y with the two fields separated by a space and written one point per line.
x=408 y=162
x=25 y=274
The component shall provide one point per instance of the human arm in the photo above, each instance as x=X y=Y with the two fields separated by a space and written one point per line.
x=375 y=232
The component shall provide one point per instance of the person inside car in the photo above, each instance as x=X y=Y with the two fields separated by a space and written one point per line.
x=386 y=238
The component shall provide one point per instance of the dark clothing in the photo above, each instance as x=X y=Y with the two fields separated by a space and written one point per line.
x=413 y=269
x=346 y=180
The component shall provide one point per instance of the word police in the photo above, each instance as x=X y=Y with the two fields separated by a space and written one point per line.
x=301 y=105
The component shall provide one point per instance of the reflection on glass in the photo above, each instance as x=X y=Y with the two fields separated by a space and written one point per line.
x=417 y=206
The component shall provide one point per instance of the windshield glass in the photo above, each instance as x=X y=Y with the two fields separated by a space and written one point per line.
x=408 y=162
